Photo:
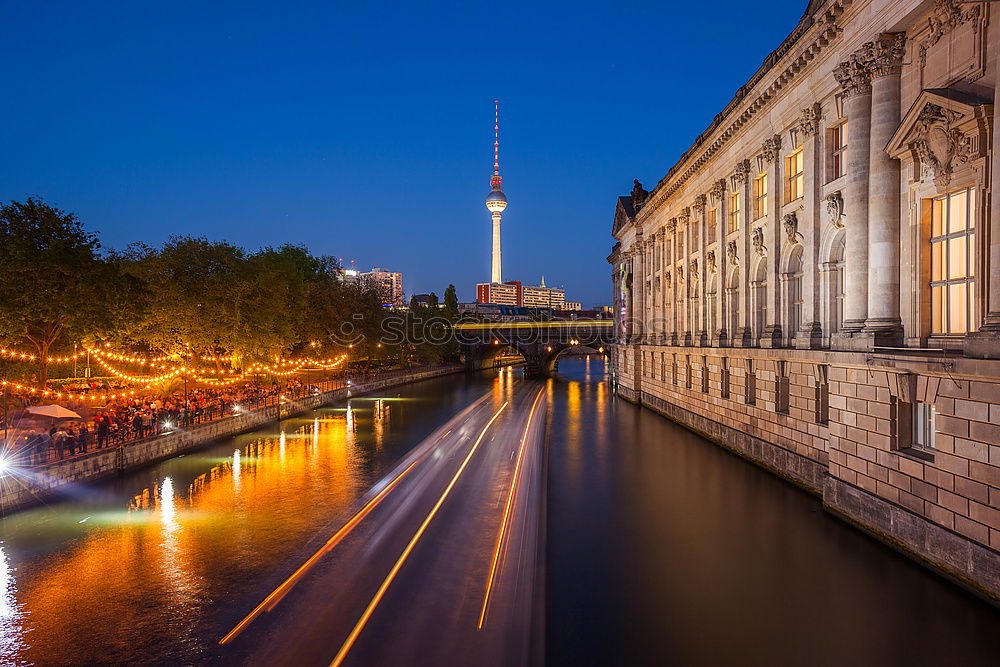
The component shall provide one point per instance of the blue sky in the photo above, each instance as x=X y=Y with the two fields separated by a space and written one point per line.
x=364 y=130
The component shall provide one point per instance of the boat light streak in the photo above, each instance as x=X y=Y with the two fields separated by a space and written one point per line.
x=351 y=638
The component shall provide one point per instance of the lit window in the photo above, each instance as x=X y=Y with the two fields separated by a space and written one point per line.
x=953 y=261
x=734 y=212
x=795 y=179
x=838 y=150
x=923 y=425
x=760 y=196
x=711 y=223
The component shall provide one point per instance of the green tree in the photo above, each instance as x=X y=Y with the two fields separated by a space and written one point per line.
x=450 y=310
x=52 y=278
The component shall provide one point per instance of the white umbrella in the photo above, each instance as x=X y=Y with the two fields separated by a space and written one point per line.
x=54 y=411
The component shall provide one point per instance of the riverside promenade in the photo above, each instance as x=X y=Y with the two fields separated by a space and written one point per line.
x=22 y=487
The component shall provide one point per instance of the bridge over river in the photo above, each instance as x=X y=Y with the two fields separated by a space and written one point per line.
x=540 y=343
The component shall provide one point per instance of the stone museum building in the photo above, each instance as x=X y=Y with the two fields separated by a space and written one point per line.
x=815 y=284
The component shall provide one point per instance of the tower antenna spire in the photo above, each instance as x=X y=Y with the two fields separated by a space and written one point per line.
x=496 y=139
x=496 y=201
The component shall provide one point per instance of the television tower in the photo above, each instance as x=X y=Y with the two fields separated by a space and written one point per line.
x=496 y=201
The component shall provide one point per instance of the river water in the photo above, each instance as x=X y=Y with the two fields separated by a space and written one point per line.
x=661 y=547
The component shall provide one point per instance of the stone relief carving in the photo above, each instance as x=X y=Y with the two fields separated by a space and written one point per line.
x=809 y=121
x=854 y=75
x=699 y=204
x=710 y=261
x=685 y=216
x=667 y=283
x=741 y=173
x=791 y=224
x=719 y=189
x=887 y=52
x=757 y=239
x=945 y=16
x=680 y=275
x=639 y=195
x=940 y=146
x=731 y=253
x=671 y=225
x=835 y=209
x=771 y=148
x=693 y=270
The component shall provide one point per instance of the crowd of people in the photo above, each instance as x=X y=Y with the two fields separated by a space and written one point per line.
x=137 y=417
x=128 y=419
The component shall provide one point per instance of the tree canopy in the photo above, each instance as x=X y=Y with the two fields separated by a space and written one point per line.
x=189 y=296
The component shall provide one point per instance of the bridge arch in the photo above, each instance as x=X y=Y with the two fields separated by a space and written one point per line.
x=540 y=343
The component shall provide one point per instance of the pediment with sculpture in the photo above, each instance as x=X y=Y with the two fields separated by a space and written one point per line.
x=942 y=131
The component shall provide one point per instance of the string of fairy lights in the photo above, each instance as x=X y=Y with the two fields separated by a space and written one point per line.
x=172 y=366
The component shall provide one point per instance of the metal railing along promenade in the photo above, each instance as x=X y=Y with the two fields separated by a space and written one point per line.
x=33 y=451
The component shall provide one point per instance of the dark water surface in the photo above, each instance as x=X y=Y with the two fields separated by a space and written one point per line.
x=664 y=549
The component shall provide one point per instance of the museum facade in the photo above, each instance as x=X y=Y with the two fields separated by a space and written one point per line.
x=815 y=284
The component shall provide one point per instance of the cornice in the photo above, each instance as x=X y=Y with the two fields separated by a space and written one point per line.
x=705 y=146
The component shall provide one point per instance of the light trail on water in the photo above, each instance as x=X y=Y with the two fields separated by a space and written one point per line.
x=506 y=513
x=360 y=625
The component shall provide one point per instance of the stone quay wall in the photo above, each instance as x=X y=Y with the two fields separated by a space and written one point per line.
x=31 y=486
x=841 y=434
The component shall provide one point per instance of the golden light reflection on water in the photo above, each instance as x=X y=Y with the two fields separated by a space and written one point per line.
x=142 y=583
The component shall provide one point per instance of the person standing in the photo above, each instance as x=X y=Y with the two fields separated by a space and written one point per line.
x=103 y=430
x=84 y=438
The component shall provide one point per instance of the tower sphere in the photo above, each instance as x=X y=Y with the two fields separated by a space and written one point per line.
x=496 y=202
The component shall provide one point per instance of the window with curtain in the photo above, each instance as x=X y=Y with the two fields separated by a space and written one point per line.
x=838 y=151
x=953 y=261
x=795 y=176
x=760 y=196
x=734 y=212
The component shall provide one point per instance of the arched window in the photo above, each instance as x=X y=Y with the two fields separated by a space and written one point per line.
x=711 y=301
x=793 y=293
x=695 y=303
x=732 y=300
x=832 y=286
x=758 y=292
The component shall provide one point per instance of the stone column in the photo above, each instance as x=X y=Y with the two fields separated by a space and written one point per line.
x=638 y=290
x=698 y=221
x=855 y=79
x=985 y=343
x=771 y=336
x=883 y=193
x=666 y=283
x=684 y=228
x=743 y=336
x=650 y=285
x=656 y=298
x=807 y=225
x=651 y=298
x=628 y=328
x=720 y=337
x=675 y=326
